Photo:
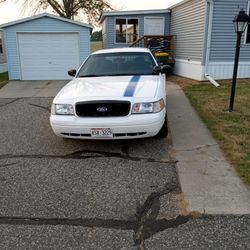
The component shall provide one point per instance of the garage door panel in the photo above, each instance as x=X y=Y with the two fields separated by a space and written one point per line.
x=48 y=56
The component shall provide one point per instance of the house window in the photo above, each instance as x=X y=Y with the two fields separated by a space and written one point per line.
x=248 y=28
x=126 y=30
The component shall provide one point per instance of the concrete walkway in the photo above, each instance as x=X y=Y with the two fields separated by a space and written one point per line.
x=209 y=184
x=20 y=89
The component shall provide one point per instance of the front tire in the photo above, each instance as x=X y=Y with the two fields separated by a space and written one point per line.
x=164 y=130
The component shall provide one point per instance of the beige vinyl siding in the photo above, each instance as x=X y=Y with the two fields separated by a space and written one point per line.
x=188 y=23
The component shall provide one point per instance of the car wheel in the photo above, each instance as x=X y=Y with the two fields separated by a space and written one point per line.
x=164 y=130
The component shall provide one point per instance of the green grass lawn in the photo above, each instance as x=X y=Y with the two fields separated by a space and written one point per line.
x=96 y=46
x=232 y=130
x=3 y=79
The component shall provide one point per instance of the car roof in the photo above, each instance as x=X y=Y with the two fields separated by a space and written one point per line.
x=119 y=50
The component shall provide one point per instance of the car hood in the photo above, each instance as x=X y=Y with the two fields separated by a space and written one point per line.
x=90 y=88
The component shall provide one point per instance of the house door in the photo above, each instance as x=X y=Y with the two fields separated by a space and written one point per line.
x=154 y=26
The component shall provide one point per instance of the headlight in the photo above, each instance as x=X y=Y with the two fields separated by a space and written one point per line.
x=62 y=109
x=148 y=107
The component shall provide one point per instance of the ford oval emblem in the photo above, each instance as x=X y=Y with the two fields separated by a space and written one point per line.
x=102 y=109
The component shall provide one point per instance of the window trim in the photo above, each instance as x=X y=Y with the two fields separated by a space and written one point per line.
x=248 y=27
x=126 y=43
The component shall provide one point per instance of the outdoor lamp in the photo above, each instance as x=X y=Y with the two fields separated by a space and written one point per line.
x=240 y=23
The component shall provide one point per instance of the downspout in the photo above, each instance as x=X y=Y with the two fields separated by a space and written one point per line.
x=209 y=31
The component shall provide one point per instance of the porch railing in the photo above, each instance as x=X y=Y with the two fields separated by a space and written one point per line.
x=158 y=44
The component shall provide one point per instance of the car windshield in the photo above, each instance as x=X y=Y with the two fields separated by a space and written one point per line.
x=116 y=64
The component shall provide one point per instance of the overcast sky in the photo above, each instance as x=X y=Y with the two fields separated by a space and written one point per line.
x=10 y=10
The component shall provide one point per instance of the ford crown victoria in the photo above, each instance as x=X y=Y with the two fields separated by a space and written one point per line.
x=115 y=94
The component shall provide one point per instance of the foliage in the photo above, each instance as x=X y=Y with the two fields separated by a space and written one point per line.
x=96 y=36
x=4 y=77
x=70 y=9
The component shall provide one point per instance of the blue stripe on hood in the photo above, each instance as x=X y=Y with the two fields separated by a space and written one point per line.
x=130 y=90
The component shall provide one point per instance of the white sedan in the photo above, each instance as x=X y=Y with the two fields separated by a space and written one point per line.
x=115 y=94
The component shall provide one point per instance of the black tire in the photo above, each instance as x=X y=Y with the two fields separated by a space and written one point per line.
x=164 y=130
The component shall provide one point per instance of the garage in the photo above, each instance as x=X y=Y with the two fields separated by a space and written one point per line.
x=45 y=47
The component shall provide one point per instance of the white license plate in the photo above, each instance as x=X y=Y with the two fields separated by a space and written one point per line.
x=102 y=132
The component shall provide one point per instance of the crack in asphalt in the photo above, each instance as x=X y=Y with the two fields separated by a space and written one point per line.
x=85 y=154
x=40 y=106
x=88 y=222
x=146 y=214
x=144 y=226
x=9 y=164
x=12 y=101
x=152 y=226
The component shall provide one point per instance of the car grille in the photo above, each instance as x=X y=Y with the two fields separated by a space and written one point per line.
x=102 y=108
x=114 y=135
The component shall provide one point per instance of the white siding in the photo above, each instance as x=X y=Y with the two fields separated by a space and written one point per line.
x=224 y=70
x=188 y=23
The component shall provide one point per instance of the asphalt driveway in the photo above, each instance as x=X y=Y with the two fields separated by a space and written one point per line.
x=47 y=180
x=73 y=194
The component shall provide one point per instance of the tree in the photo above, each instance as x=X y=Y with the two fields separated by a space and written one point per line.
x=92 y=9
x=96 y=36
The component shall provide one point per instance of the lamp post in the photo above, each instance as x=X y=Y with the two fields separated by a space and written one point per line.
x=240 y=23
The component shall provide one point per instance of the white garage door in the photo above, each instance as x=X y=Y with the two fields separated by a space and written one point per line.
x=47 y=56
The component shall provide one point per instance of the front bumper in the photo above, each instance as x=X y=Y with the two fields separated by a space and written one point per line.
x=127 y=127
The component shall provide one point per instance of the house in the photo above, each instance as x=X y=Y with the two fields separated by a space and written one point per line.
x=45 y=47
x=122 y=28
x=206 y=39
x=3 y=63
x=204 y=36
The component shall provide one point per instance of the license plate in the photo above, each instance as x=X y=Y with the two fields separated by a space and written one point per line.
x=102 y=132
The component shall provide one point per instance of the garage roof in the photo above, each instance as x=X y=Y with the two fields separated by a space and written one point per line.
x=27 y=19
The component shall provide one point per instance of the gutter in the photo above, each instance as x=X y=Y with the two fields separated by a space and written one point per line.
x=209 y=31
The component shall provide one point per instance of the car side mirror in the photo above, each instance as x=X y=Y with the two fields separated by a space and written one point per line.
x=157 y=69
x=72 y=72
